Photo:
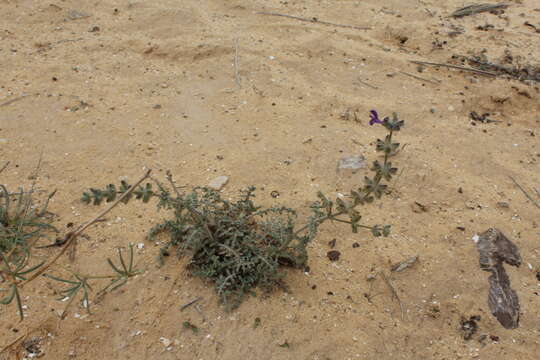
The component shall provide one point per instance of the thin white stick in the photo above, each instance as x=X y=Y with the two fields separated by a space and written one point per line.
x=236 y=67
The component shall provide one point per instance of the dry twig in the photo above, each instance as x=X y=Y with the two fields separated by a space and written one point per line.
x=315 y=20
x=9 y=102
x=477 y=8
x=236 y=67
x=185 y=306
x=5 y=166
x=420 y=78
x=11 y=344
x=526 y=193
x=366 y=84
x=481 y=72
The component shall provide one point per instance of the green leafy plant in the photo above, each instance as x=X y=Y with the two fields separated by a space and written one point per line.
x=240 y=246
x=79 y=283
x=256 y=322
x=188 y=325
x=22 y=224
x=96 y=196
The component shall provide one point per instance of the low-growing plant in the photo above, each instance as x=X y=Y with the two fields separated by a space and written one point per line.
x=239 y=245
x=79 y=283
x=23 y=223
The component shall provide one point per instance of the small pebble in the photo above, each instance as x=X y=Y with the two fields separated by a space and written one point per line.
x=333 y=255
x=166 y=342
x=76 y=15
x=218 y=183
x=352 y=163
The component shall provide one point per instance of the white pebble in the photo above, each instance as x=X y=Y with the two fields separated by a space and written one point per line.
x=166 y=342
x=218 y=183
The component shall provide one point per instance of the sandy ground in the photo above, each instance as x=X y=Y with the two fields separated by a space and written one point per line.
x=86 y=91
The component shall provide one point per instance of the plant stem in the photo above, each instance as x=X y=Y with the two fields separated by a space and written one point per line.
x=350 y=222
x=96 y=277
x=377 y=180
x=72 y=236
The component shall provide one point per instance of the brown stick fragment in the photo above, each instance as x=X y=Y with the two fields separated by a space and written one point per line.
x=314 y=20
x=477 y=8
x=185 y=306
x=525 y=192
x=5 y=348
x=366 y=84
x=236 y=67
x=5 y=166
x=420 y=78
x=9 y=102
x=481 y=72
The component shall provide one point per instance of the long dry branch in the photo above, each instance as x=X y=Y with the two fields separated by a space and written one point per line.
x=315 y=20
x=481 y=72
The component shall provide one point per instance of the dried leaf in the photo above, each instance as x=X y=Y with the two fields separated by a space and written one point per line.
x=399 y=267
x=477 y=8
x=496 y=249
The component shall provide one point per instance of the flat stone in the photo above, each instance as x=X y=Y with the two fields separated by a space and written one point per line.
x=351 y=163
x=76 y=15
x=166 y=342
x=218 y=183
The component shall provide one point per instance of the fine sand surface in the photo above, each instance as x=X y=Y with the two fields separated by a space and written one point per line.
x=102 y=89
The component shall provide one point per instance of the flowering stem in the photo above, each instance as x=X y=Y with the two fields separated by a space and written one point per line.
x=367 y=192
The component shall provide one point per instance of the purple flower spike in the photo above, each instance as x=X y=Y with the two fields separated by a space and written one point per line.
x=374 y=118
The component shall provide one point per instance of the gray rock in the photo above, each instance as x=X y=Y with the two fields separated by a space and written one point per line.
x=218 y=183
x=76 y=15
x=351 y=163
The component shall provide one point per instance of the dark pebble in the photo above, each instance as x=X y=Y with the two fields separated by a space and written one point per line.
x=333 y=255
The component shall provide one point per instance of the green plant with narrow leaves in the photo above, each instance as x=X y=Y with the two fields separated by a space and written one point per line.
x=240 y=246
x=22 y=224
x=79 y=283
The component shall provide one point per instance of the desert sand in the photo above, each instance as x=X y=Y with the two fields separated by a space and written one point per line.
x=102 y=90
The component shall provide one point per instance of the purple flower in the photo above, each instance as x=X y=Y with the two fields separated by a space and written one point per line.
x=374 y=118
